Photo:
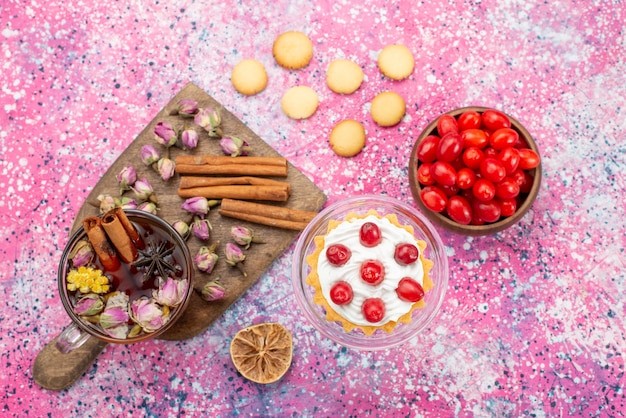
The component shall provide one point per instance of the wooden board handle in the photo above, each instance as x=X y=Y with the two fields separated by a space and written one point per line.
x=56 y=371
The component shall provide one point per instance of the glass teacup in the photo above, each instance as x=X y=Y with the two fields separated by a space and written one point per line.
x=125 y=301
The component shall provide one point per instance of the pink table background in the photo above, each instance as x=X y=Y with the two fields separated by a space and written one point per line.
x=533 y=323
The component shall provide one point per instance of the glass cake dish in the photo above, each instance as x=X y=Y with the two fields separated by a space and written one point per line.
x=312 y=289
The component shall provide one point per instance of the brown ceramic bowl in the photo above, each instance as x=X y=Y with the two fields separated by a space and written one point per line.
x=486 y=229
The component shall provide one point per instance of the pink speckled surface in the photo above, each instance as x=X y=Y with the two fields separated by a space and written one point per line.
x=533 y=323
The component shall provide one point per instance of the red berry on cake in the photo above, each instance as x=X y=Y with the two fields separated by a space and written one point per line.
x=369 y=234
x=338 y=254
x=406 y=254
x=409 y=290
x=341 y=293
x=372 y=272
x=373 y=309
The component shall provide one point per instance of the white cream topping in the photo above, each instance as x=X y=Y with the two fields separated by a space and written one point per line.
x=347 y=233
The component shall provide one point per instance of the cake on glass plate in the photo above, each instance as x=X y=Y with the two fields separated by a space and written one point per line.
x=369 y=272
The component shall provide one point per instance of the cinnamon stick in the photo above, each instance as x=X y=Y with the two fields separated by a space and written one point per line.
x=271 y=211
x=262 y=220
x=103 y=249
x=244 y=192
x=234 y=166
x=128 y=226
x=226 y=160
x=271 y=215
x=119 y=229
x=187 y=182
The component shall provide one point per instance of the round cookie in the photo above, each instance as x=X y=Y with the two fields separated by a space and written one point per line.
x=396 y=62
x=344 y=76
x=249 y=77
x=347 y=138
x=299 y=102
x=388 y=108
x=292 y=50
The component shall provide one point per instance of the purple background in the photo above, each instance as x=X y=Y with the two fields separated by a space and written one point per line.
x=533 y=321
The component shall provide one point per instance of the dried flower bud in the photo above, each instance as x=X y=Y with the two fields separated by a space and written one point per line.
x=234 y=146
x=126 y=178
x=201 y=228
x=165 y=134
x=88 y=305
x=243 y=236
x=119 y=331
x=166 y=168
x=107 y=202
x=196 y=206
x=186 y=107
x=182 y=228
x=113 y=316
x=149 y=207
x=206 y=259
x=189 y=139
x=210 y=120
x=213 y=291
x=149 y=155
x=171 y=293
x=234 y=255
x=147 y=314
x=143 y=189
x=82 y=253
x=126 y=203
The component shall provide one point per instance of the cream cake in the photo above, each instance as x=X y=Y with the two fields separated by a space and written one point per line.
x=369 y=272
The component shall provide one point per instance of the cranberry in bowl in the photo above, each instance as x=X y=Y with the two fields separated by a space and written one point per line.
x=475 y=171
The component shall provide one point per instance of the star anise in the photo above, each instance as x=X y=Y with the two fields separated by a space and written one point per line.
x=154 y=258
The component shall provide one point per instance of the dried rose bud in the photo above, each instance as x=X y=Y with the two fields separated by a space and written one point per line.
x=149 y=155
x=107 y=202
x=166 y=168
x=234 y=146
x=196 y=206
x=210 y=120
x=243 y=236
x=113 y=316
x=165 y=134
x=120 y=331
x=126 y=203
x=126 y=178
x=186 y=107
x=201 y=228
x=149 y=207
x=188 y=139
x=213 y=291
x=206 y=259
x=82 y=253
x=171 y=293
x=147 y=314
x=182 y=228
x=143 y=189
x=234 y=255
x=88 y=305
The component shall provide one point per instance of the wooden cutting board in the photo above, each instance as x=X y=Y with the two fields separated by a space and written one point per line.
x=57 y=371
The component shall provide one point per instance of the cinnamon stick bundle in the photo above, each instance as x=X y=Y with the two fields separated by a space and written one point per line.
x=234 y=166
x=278 y=216
x=121 y=233
x=103 y=249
